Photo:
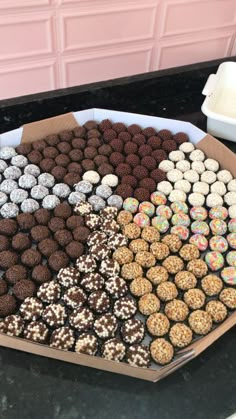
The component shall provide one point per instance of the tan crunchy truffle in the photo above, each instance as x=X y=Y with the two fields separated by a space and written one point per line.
x=211 y=285
x=173 y=264
x=124 y=217
x=189 y=252
x=145 y=259
x=173 y=242
x=217 y=311
x=194 y=298
x=157 y=274
x=200 y=322
x=132 y=231
x=123 y=255
x=138 y=245
x=150 y=234
x=131 y=270
x=162 y=351
x=159 y=250
x=228 y=297
x=149 y=304
x=140 y=286
x=167 y=291
x=180 y=335
x=185 y=280
x=176 y=310
x=198 y=267
x=158 y=324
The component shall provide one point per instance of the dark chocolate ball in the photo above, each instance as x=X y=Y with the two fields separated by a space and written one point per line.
x=88 y=164
x=164 y=134
x=134 y=129
x=105 y=124
x=52 y=140
x=149 y=132
x=63 y=210
x=149 y=162
x=59 y=172
x=90 y=125
x=132 y=160
x=8 y=259
x=79 y=143
x=81 y=234
x=15 y=273
x=119 y=127
x=39 y=145
x=23 y=289
x=99 y=160
x=108 y=135
x=21 y=241
x=63 y=237
x=130 y=148
x=58 y=260
x=47 y=247
x=42 y=216
x=74 y=249
x=31 y=257
x=148 y=183
x=3 y=287
x=25 y=221
x=93 y=133
x=140 y=172
x=124 y=136
x=47 y=165
x=71 y=179
x=105 y=169
x=158 y=175
x=90 y=152
x=76 y=155
x=117 y=145
x=141 y=194
x=35 y=157
x=105 y=150
x=116 y=158
x=144 y=150
x=79 y=132
x=154 y=142
x=94 y=142
x=62 y=160
x=123 y=169
x=75 y=221
x=75 y=168
x=64 y=147
x=125 y=191
x=169 y=145
x=8 y=227
x=56 y=223
x=7 y=305
x=39 y=233
x=129 y=180
x=181 y=137
x=24 y=148
x=159 y=155
x=4 y=243
x=41 y=274
x=66 y=135
x=139 y=139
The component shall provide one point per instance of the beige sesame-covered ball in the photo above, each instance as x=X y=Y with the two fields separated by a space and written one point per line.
x=191 y=175
x=157 y=324
x=176 y=310
x=173 y=264
x=149 y=304
x=173 y=242
x=174 y=175
x=145 y=259
x=162 y=351
x=180 y=335
x=176 y=155
x=224 y=176
x=218 y=187
x=138 y=245
x=185 y=280
x=159 y=250
x=167 y=291
x=123 y=255
x=189 y=252
x=165 y=187
x=212 y=165
x=157 y=274
x=183 y=165
x=200 y=322
x=217 y=311
x=183 y=185
x=228 y=297
x=198 y=166
x=197 y=155
x=194 y=298
x=124 y=217
x=150 y=234
x=140 y=286
x=201 y=187
x=198 y=267
x=177 y=195
x=196 y=199
x=166 y=165
x=131 y=270
x=211 y=285
x=132 y=231
x=214 y=200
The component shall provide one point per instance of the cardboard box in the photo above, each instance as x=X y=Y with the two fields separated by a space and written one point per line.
x=211 y=147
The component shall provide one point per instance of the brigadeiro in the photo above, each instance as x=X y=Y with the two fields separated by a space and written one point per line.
x=3 y=287
x=66 y=135
x=124 y=136
x=74 y=249
x=93 y=133
x=47 y=165
x=52 y=140
x=25 y=221
x=56 y=224
x=141 y=194
x=123 y=169
x=30 y=257
x=35 y=157
x=71 y=178
x=140 y=172
x=132 y=160
x=4 y=243
x=130 y=148
x=181 y=137
x=94 y=142
x=99 y=160
x=81 y=234
x=116 y=158
x=124 y=191
x=148 y=183
x=7 y=305
x=139 y=139
x=58 y=260
x=169 y=145
x=39 y=145
x=8 y=259
x=42 y=216
x=154 y=142
x=21 y=241
x=76 y=155
x=119 y=127
x=15 y=273
x=63 y=237
x=117 y=145
x=41 y=274
x=47 y=247
x=129 y=180
x=158 y=175
x=75 y=168
x=105 y=169
x=23 y=289
x=24 y=148
x=105 y=150
x=108 y=135
x=149 y=162
x=105 y=124
x=8 y=227
x=88 y=164
x=165 y=134
x=79 y=132
x=145 y=150
x=62 y=160
x=39 y=233
x=74 y=221
x=90 y=152
x=63 y=210
x=64 y=147
x=79 y=143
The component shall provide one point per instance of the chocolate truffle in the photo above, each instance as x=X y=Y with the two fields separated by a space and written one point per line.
x=54 y=315
x=94 y=142
x=41 y=274
x=12 y=325
x=74 y=297
x=194 y=298
x=21 y=241
x=141 y=194
x=15 y=273
x=173 y=264
x=117 y=145
x=86 y=344
x=134 y=129
x=71 y=179
x=92 y=282
x=116 y=159
x=8 y=259
x=132 y=160
x=79 y=132
x=39 y=233
x=59 y=172
x=42 y=216
x=74 y=249
x=31 y=257
x=24 y=148
x=113 y=350
x=158 y=175
x=108 y=135
x=119 y=127
x=3 y=287
x=81 y=319
x=105 y=169
x=79 y=143
x=35 y=157
x=198 y=267
x=64 y=147
x=123 y=169
x=99 y=160
x=4 y=243
x=23 y=289
x=105 y=326
x=58 y=260
x=159 y=155
x=66 y=135
x=56 y=224
x=81 y=234
x=124 y=190
x=75 y=168
x=25 y=221
x=132 y=331
x=52 y=140
x=74 y=221
x=93 y=133
x=47 y=247
x=154 y=141
x=63 y=237
x=47 y=165
x=169 y=145
x=7 y=305
x=62 y=338
x=8 y=227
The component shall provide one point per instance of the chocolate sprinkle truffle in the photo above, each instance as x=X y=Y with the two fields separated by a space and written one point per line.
x=36 y=331
x=7 y=305
x=92 y=282
x=23 y=289
x=47 y=247
x=116 y=287
x=113 y=350
x=132 y=331
x=68 y=277
x=125 y=308
x=105 y=326
x=25 y=222
x=15 y=273
x=3 y=287
x=58 y=260
x=138 y=356
x=162 y=351
x=31 y=257
x=8 y=259
x=62 y=338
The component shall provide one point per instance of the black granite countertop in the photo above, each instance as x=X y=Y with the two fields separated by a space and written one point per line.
x=32 y=387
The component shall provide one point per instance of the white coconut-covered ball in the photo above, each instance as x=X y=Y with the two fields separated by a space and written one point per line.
x=9 y=210
x=201 y=187
x=18 y=195
x=50 y=201
x=176 y=155
x=230 y=198
x=218 y=187
x=196 y=199
x=12 y=172
x=183 y=165
x=224 y=176
x=208 y=176
x=165 y=187
x=39 y=192
x=29 y=205
x=6 y=153
x=166 y=165
x=232 y=185
x=76 y=197
x=115 y=201
x=214 y=200
x=232 y=211
x=8 y=185
x=211 y=164
x=187 y=147
x=83 y=186
x=61 y=189
x=32 y=169
x=192 y=176
x=197 y=155
x=199 y=166
x=174 y=175
x=19 y=161
x=91 y=176
x=110 y=180
x=177 y=195
x=183 y=185
x=104 y=191
x=27 y=181
x=3 y=166
x=46 y=179
x=3 y=198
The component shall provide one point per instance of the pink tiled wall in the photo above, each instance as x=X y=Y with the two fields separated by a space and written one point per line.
x=48 y=44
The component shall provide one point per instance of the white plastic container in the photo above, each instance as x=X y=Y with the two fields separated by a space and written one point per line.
x=220 y=103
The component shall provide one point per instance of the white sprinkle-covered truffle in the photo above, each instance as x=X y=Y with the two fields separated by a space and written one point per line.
x=7 y=153
x=197 y=155
x=177 y=195
x=83 y=186
x=29 y=205
x=19 y=161
x=8 y=185
x=192 y=176
x=213 y=200
x=97 y=202
x=183 y=165
x=3 y=198
x=211 y=164
x=9 y=210
x=12 y=172
x=201 y=187
x=27 y=181
x=230 y=198
x=110 y=180
x=3 y=166
x=46 y=179
x=186 y=147
x=39 y=192
x=104 y=191
x=232 y=211
x=165 y=187
x=32 y=169
x=50 y=201
x=174 y=175
x=91 y=176
x=18 y=195
x=218 y=187
x=196 y=199
x=115 y=201
x=176 y=155
x=208 y=176
x=166 y=165
x=232 y=185
x=183 y=185
x=61 y=189
x=224 y=176
x=199 y=166
x=76 y=197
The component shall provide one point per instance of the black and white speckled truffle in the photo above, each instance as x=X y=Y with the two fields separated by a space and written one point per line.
x=96 y=237
x=31 y=308
x=68 y=277
x=105 y=326
x=81 y=319
x=114 y=350
x=99 y=301
x=92 y=282
x=109 y=267
x=49 y=292
x=12 y=325
x=36 y=331
x=62 y=338
x=138 y=356
x=86 y=263
x=132 y=331
x=125 y=308
x=74 y=297
x=92 y=221
x=116 y=287
x=117 y=240
x=83 y=208
x=99 y=251
x=86 y=344
x=54 y=315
